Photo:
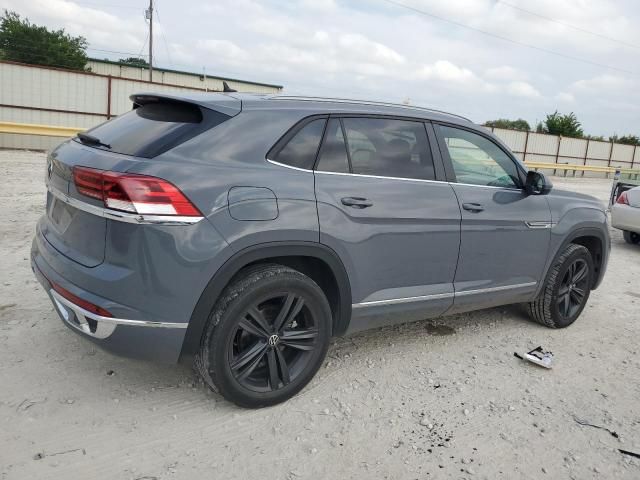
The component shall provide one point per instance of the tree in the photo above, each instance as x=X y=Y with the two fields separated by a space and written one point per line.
x=134 y=62
x=22 y=41
x=595 y=138
x=626 y=139
x=518 y=124
x=563 y=125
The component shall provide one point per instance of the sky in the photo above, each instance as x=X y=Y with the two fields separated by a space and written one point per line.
x=484 y=59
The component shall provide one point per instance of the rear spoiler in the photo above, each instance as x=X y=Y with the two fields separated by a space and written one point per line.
x=214 y=101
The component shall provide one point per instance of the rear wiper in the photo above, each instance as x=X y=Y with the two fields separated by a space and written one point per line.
x=91 y=140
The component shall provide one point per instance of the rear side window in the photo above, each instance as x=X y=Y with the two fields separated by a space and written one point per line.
x=389 y=148
x=302 y=148
x=333 y=155
x=154 y=128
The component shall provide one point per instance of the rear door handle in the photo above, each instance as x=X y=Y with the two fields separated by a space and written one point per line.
x=473 y=207
x=356 y=202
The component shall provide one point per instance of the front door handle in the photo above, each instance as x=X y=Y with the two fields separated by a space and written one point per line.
x=473 y=207
x=356 y=202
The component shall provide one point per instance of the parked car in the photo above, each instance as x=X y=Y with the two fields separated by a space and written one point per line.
x=245 y=231
x=625 y=215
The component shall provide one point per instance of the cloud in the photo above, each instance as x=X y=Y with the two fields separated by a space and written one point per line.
x=361 y=47
x=565 y=97
x=384 y=52
x=504 y=73
x=523 y=89
x=601 y=83
x=224 y=50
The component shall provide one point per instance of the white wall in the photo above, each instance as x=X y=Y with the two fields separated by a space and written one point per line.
x=538 y=147
x=185 y=79
x=48 y=96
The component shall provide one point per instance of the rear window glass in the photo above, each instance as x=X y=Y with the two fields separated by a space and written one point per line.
x=154 y=128
x=301 y=150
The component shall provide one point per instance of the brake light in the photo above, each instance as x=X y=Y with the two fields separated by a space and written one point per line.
x=90 y=307
x=133 y=193
x=623 y=199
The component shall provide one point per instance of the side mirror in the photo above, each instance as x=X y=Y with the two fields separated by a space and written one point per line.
x=537 y=184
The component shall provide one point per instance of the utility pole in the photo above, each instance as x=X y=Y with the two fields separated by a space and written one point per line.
x=150 y=17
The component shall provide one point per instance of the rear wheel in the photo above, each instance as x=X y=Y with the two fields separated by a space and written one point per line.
x=566 y=289
x=631 y=237
x=266 y=337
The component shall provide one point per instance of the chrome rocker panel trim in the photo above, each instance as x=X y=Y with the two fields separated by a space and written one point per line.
x=104 y=325
x=122 y=216
x=393 y=301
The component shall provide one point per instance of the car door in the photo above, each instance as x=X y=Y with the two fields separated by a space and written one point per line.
x=384 y=206
x=505 y=232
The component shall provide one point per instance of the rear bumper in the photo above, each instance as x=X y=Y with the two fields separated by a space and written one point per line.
x=625 y=217
x=144 y=339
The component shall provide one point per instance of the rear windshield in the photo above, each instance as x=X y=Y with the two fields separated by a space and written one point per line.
x=154 y=128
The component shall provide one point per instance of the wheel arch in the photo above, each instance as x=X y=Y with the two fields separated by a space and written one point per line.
x=594 y=240
x=315 y=260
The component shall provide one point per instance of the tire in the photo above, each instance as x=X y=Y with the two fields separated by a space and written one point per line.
x=632 y=238
x=244 y=354
x=553 y=307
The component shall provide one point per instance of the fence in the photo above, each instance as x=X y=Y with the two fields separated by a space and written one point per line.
x=543 y=148
x=34 y=94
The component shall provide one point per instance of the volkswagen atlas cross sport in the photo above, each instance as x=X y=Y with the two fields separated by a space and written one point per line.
x=242 y=232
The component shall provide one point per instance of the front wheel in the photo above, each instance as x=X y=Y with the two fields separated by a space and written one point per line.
x=266 y=337
x=631 y=237
x=566 y=289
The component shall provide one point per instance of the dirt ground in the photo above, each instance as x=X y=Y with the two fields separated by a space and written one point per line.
x=443 y=399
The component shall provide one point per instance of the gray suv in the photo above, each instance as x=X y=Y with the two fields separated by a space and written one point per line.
x=242 y=232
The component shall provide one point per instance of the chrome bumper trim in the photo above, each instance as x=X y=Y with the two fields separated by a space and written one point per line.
x=122 y=216
x=104 y=325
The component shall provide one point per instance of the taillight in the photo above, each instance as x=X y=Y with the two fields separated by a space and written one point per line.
x=133 y=193
x=623 y=198
x=90 y=307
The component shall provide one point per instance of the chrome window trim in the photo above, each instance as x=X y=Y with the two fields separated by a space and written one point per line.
x=122 y=216
x=511 y=189
x=111 y=320
x=289 y=166
x=380 y=177
x=394 y=301
x=540 y=225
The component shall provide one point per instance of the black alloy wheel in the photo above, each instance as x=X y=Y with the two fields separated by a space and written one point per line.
x=266 y=337
x=272 y=343
x=573 y=288
x=566 y=288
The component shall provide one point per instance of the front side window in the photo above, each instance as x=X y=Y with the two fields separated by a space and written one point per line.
x=477 y=160
x=389 y=148
x=302 y=148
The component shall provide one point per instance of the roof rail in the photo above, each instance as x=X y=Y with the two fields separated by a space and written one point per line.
x=363 y=102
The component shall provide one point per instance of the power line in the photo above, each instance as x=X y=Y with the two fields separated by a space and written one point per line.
x=105 y=5
x=560 y=22
x=164 y=39
x=507 y=39
x=143 y=44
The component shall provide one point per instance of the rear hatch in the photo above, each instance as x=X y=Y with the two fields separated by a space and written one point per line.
x=155 y=125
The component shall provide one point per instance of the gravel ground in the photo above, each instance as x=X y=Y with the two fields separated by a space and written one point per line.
x=439 y=399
